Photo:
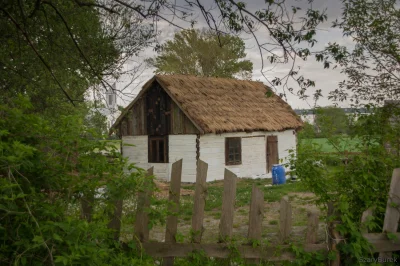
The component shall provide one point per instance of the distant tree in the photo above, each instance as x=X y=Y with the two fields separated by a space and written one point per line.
x=307 y=132
x=331 y=121
x=203 y=53
x=95 y=121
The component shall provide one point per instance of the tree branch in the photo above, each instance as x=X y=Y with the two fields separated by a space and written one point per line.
x=37 y=53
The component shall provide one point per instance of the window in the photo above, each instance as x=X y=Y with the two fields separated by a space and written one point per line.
x=158 y=149
x=233 y=151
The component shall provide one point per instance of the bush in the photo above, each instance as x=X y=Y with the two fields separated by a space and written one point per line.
x=354 y=187
x=45 y=167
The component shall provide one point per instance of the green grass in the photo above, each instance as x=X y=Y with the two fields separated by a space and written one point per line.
x=275 y=193
x=243 y=194
x=345 y=143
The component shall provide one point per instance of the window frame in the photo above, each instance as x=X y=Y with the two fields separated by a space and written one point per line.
x=227 y=148
x=157 y=139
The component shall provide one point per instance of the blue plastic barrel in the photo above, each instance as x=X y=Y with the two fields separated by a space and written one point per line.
x=278 y=174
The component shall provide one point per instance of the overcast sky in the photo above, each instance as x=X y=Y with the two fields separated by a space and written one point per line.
x=325 y=79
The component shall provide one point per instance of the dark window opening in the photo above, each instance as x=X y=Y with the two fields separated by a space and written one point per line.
x=158 y=149
x=233 y=151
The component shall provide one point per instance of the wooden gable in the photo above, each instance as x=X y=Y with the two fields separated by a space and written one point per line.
x=155 y=114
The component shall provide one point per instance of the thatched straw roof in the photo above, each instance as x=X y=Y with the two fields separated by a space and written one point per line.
x=217 y=105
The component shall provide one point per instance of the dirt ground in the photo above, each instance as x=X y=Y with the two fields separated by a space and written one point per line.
x=163 y=192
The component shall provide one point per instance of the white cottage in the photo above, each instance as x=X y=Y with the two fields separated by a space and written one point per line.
x=236 y=124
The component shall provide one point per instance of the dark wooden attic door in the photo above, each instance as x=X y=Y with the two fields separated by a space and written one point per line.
x=158 y=110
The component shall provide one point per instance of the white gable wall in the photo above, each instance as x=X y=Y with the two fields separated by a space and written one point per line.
x=180 y=146
x=212 y=151
x=183 y=147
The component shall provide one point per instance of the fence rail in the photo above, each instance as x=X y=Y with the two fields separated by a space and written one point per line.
x=169 y=249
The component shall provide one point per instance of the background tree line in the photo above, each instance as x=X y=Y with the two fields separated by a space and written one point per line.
x=328 y=121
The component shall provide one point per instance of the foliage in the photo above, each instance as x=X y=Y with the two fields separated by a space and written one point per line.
x=307 y=132
x=45 y=167
x=331 y=121
x=372 y=66
x=95 y=120
x=53 y=51
x=358 y=185
x=203 y=53
x=120 y=29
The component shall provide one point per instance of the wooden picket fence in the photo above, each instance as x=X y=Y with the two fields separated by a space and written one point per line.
x=170 y=249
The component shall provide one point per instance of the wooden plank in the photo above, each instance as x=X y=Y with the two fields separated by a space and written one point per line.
x=172 y=117
x=124 y=127
x=334 y=236
x=135 y=120
x=228 y=205
x=116 y=216
x=256 y=214
x=174 y=196
x=143 y=117
x=189 y=127
x=175 y=119
x=201 y=131
x=392 y=214
x=162 y=250
x=130 y=124
x=199 y=201
x=367 y=215
x=87 y=202
x=382 y=243
x=141 y=227
x=180 y=123
x=312 y=227
x=285 y=219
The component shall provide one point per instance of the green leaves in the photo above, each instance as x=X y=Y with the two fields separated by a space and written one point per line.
x=372 y=28
x=45 y=167
x=203 y=53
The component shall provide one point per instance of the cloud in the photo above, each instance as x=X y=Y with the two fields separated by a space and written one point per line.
x=325 y=79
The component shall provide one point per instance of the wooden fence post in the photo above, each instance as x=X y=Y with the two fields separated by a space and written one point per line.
x=228 y=205
x=333 y=235
x=256 y=214
x=392 y=215
x=141 y=227
x=116 y=216
x=87 y=202
x=174 y=196
x=285 y=220
x=312 y=227
x=365 y=217
x=199 y=201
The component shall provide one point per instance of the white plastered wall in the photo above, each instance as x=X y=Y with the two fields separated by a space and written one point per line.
x=180 y=147
x=212 y=151
x=254 y=163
